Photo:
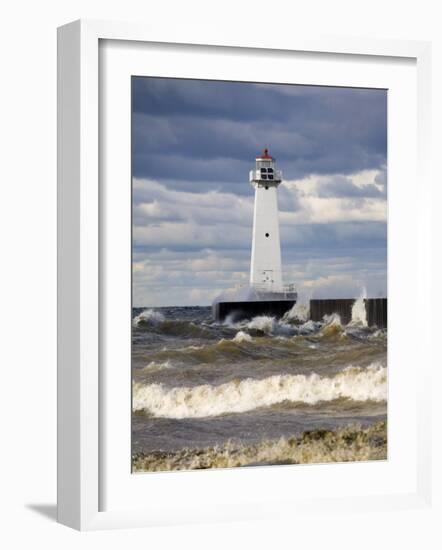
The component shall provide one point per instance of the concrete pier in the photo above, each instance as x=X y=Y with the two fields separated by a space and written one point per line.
x=376 y=309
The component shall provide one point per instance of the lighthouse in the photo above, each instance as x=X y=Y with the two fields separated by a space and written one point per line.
x=265 y=294
x=265 y=265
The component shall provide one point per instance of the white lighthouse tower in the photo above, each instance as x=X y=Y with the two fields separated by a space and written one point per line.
x=265 y=266
x=266 y=294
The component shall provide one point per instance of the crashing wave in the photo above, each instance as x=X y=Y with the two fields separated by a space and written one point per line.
x=242 y=336
x=350 y=443
x=332 y=326
x=309 y=327
x=264 y=324
x=299 y=313
x=148 y=317
x=355 y=383
x=359 y=311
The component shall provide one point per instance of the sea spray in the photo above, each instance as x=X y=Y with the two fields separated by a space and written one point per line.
x=300 y=312
x=332 y=326
x=358 y=311
x=149 y=317
x=270 y=326
x=355 y=383
x=309 y=327
x=332 y=319
x=263 y=324
x=242 y=336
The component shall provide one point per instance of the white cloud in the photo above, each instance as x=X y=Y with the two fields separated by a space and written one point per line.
x=337 y=286
x=189 y=246
x=315 y=208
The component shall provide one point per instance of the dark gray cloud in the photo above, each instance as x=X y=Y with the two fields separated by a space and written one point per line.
x=209 y=132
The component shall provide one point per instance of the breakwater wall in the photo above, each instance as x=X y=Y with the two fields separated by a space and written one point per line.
x=376 y=310
x=247 y=310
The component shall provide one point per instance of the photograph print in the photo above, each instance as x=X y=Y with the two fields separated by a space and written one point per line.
x=259 y=274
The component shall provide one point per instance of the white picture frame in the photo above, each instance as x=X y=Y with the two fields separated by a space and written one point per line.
x=80 y=294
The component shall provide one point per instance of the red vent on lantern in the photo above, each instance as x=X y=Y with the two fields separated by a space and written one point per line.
x=265 y=155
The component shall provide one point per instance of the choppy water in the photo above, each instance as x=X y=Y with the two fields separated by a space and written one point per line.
x=207 y=394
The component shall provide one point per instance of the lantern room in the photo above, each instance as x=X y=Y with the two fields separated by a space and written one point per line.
x=265 y=173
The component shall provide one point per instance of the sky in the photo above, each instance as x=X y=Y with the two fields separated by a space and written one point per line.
x=193 y=144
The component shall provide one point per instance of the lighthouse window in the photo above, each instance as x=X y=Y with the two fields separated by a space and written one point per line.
x=267 y=234
x=270 y=176
x=263 y=170
x=264 y=176
x=270 y=170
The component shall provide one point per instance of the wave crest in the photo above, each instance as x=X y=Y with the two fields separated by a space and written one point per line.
x=300 y=313
x=266 y=325
x=355 y=383
x=242 y=336
x=156 y=366
x=148 y=317
x=345 y=444
x=154 y=321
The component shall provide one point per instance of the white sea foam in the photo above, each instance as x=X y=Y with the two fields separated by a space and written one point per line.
x=358 y=311
x=344 y=444
x=229 y=321
x=148 y=316
x=334 y=319
x=356 y=383
x=299 y=312
x=308 y=327
x=263 y=323
x=242 y=336
x=269 y=325
x=380 y=333
x=154 y=366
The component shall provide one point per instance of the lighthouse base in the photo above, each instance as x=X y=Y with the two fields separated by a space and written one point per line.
x=237 y=311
